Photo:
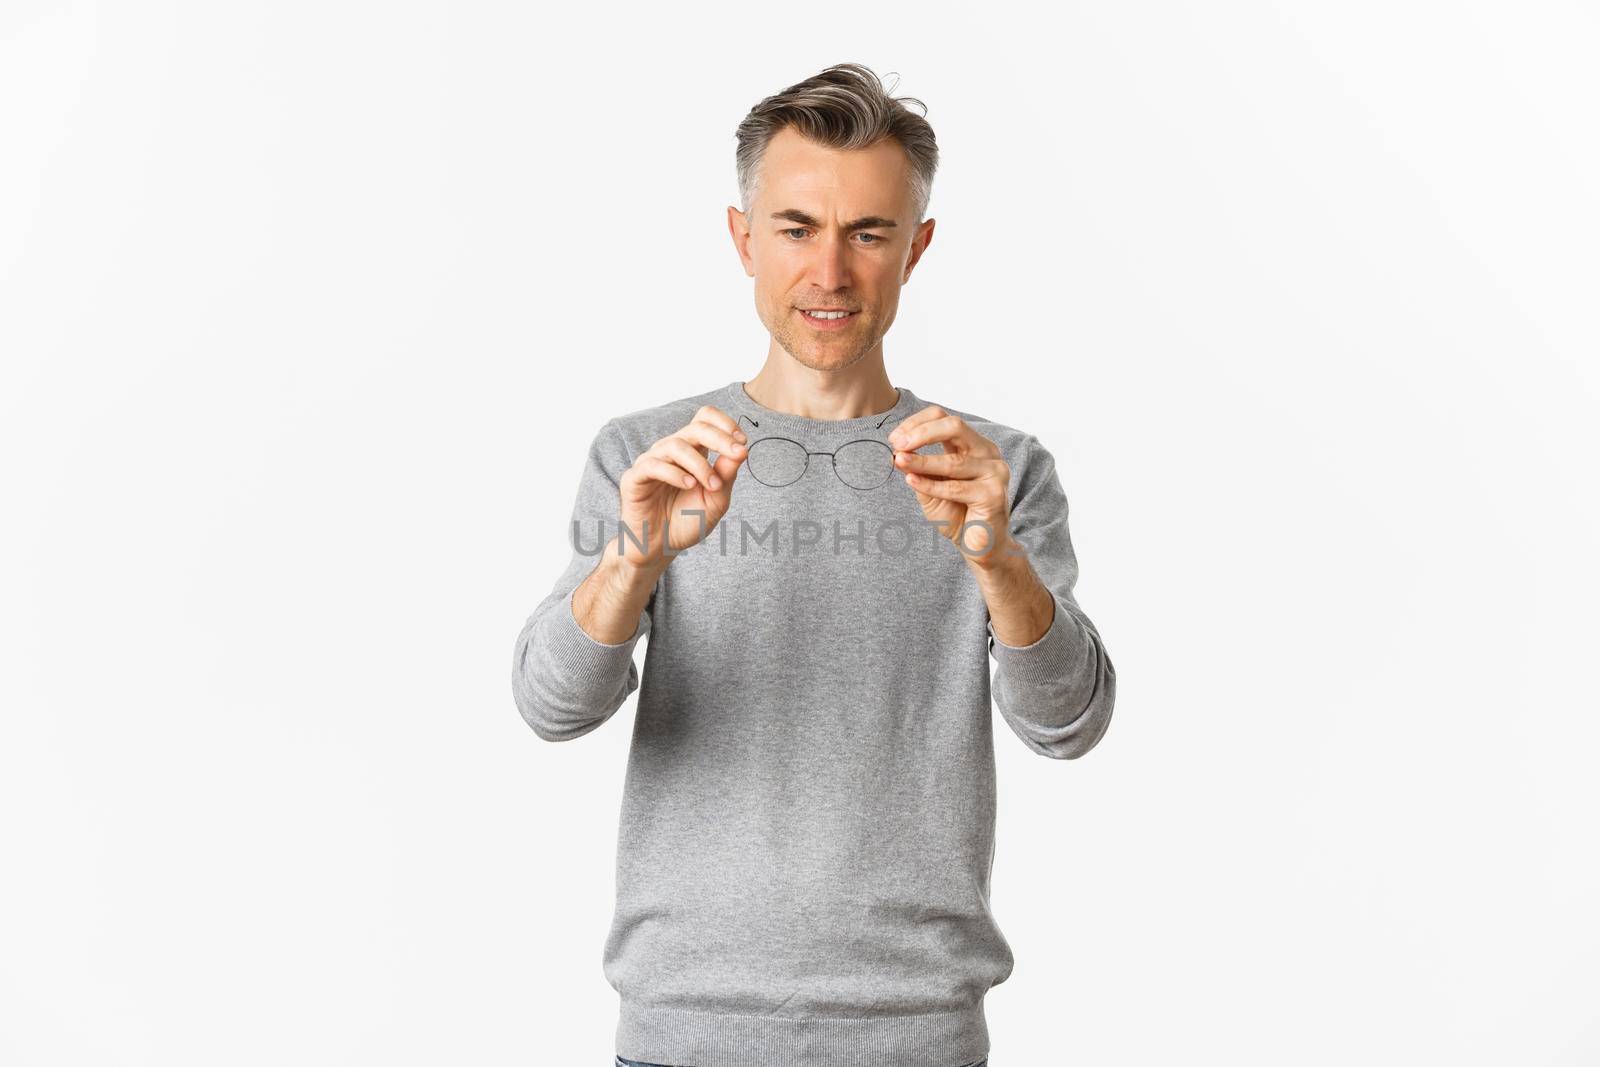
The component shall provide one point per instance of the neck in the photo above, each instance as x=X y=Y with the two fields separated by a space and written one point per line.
x=787 y=385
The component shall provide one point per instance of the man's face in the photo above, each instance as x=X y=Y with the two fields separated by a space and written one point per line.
x=829 y=229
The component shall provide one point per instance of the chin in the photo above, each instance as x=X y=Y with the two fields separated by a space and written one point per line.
x=830 y=359
x=821 y=353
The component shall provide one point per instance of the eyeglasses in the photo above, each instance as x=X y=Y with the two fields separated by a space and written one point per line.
x=864 y=463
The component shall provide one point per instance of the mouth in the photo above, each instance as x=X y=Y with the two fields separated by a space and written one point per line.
x=828 y=318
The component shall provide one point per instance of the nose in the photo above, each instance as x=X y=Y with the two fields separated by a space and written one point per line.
x=830 y=265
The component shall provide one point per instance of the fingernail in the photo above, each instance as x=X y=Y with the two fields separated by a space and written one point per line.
x=738 y=435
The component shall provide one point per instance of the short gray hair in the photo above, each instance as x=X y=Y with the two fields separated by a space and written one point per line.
x=845 y=106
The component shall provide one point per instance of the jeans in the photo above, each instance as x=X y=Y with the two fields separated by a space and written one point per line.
x=621 y=1062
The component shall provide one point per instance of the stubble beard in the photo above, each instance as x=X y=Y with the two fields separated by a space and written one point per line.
x=816 y=352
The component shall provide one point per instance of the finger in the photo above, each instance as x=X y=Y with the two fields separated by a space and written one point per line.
x=932 y=411
x=715 y=416
x=966 y=490
x=957 y=465
x=650 y=468
x=705 y=435
x=939 y=464
x=947 y=429
x=689 y=458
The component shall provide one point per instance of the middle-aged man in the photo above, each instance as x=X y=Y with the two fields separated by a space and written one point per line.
x=808 y=818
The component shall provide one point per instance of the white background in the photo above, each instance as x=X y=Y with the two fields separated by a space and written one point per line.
x=309 y=311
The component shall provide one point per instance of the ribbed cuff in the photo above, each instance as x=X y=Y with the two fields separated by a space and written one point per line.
x=1057 y=652
x=583 y=659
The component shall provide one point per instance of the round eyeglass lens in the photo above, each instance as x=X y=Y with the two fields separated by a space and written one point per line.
x=864 y=464
x=776 y=461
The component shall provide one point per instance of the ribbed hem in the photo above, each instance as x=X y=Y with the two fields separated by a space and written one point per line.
x=708 y=1039
x=1056 y=653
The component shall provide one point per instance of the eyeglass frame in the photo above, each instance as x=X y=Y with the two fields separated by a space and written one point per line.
x=834 y=455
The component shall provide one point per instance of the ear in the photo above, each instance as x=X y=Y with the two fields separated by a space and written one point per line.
x=919 y=244
x=739 y=230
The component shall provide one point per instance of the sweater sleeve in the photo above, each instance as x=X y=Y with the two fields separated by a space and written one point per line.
x=565 y=682
x=1057 y=693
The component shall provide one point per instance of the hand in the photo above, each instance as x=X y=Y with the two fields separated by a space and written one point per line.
x=675 y=477
x=967 y=482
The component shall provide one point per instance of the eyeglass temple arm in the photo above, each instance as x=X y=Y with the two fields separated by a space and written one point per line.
x=879 y=426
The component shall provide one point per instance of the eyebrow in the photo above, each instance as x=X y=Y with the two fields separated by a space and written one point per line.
x=866 y=222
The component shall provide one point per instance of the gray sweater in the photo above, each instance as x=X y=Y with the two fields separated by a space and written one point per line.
x=808 y=817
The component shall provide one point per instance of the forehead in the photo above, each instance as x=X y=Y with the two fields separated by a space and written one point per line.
x=798 y=172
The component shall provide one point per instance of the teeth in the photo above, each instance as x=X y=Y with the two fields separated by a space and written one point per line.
x=829 y=314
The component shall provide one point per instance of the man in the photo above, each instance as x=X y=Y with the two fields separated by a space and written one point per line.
x=808 y=817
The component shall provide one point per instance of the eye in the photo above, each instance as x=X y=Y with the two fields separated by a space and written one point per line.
x=872 y=238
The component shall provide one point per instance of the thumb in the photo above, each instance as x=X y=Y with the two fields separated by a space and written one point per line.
x=727 y=468
x=717 y=501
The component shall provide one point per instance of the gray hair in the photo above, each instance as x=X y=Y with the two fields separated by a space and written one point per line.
x=845 y=106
